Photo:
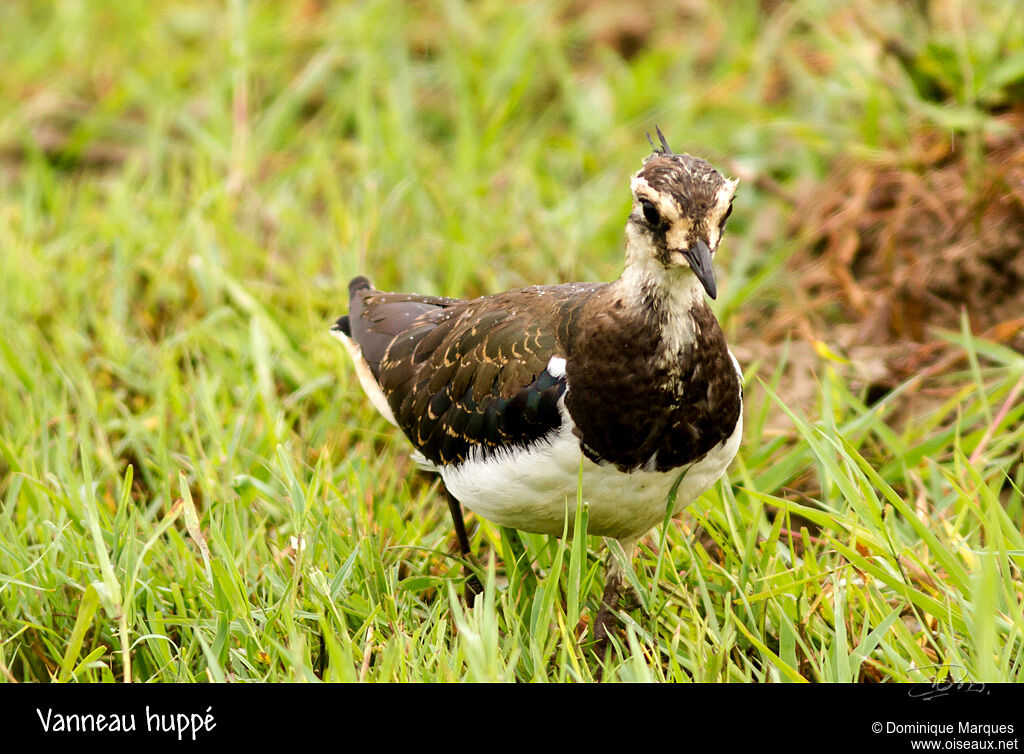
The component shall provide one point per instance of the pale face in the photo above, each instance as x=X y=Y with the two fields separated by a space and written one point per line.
x=680 y=205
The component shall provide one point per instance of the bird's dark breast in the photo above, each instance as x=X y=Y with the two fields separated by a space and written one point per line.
x=629 y=406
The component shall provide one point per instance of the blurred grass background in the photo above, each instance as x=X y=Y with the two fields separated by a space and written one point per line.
x=192 y=486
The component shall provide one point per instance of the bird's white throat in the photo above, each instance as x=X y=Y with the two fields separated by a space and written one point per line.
x=670 y=294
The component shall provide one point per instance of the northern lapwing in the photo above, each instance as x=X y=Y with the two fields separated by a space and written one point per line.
x=628 y=386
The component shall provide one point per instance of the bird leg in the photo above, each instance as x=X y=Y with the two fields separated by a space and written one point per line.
x=610 y=599
x=473 y=586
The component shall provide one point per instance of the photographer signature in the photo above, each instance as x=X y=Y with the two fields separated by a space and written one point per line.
x=939 y=689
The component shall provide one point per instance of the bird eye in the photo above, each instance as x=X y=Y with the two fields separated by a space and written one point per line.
x=650 y=213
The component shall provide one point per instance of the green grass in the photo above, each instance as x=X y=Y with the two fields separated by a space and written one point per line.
x=192 y=486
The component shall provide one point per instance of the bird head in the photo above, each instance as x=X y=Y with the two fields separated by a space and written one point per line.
x=680 y=205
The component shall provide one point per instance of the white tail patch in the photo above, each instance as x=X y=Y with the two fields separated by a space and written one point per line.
x=370 y=386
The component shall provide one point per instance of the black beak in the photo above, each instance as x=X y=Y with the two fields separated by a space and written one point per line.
x=699 y=257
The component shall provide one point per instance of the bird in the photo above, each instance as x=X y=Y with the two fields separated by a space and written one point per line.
x=627 y=388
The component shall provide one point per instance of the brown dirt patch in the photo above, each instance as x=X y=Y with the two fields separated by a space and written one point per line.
x=890 y=251
x=901 y=249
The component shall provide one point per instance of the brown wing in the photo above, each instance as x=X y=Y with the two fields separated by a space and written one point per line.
x=460 y=375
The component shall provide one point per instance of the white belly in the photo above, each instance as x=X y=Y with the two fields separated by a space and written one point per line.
x=535 y=489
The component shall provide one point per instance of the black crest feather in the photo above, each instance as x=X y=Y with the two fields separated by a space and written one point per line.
x=658 y=151
x=664 y=148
